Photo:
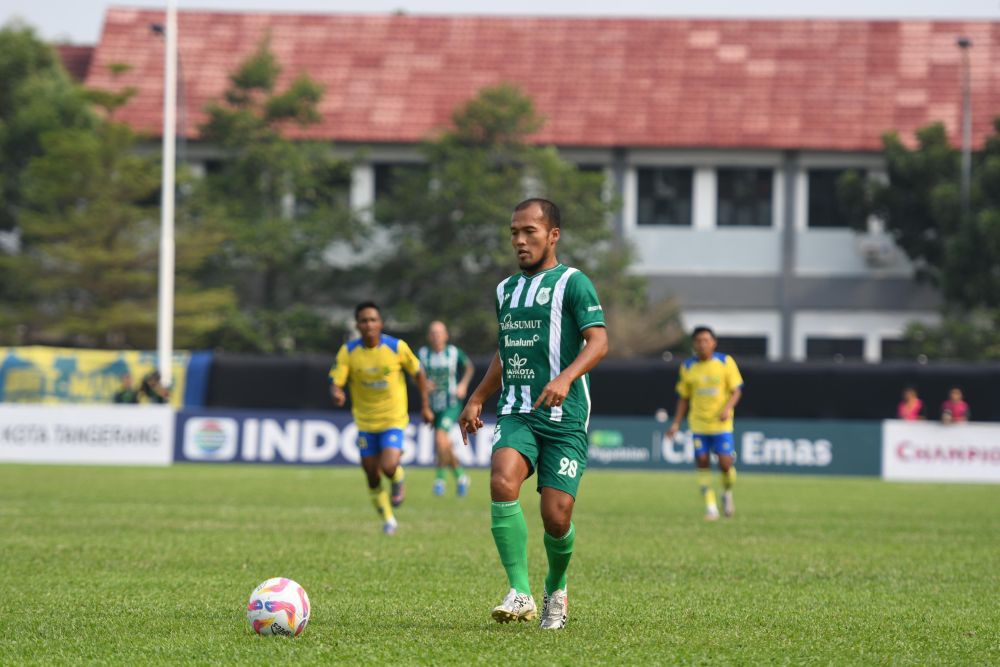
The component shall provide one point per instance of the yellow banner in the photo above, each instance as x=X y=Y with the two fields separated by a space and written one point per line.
x=38 y=374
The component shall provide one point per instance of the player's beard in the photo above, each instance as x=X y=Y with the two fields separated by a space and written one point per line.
x=534 y=267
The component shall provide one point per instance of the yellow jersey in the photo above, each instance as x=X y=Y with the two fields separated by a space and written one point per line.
x=375 y=378
x=707 y=386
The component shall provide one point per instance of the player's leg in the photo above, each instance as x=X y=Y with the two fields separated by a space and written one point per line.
x=442 y=447
x=702 y=462
x=391 y=450
x=514 y=450
x=368 y=444
x=561 y=463
x=448 y=419
x=724 y=449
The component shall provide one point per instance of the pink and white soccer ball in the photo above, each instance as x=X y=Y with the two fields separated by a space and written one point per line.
x=278 y=606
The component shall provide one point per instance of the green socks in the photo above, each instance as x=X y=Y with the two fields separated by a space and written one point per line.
x=510 y=533
x=439 y=474
x=458 y=471
x=559 y=550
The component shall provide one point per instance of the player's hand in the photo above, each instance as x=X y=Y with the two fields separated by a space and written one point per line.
x=672 y=431
x=469 y=421
x=338 y=395
x=430 y=385
x=724 y=415
x=554 y=393
x=428 y=415
x=461 y=390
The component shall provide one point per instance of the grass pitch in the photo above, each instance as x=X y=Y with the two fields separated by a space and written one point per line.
x=154 y=565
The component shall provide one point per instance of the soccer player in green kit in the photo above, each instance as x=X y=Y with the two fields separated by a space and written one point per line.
x=449 y=372
x=551 y=333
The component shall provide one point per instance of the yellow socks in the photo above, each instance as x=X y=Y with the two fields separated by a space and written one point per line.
x=729 y=478
x=380 y=499
x=399 y=475
x=705 y=483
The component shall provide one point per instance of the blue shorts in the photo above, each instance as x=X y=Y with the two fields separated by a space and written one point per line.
x=720 y=444
x=370 y=444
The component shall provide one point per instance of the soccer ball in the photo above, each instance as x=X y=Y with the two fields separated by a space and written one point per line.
x=278 y=606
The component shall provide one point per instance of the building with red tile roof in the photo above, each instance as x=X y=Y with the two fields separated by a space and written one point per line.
x=813 y=84
x=723 y=138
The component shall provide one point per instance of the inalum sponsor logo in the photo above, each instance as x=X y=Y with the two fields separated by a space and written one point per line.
x=520 y=342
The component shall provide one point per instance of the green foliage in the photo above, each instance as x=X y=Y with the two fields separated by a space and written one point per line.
x=811 y=571
x=449 y=221
x=961 y=336
x=921 y=207
x=90 y=246
x=36 y=96
x=279 y=205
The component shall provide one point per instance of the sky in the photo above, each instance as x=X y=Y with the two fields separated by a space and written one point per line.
x=79 y=21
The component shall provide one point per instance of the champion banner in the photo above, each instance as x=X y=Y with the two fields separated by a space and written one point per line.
x=37 y=374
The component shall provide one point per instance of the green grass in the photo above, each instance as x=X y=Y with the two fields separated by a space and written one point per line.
x=139 y=565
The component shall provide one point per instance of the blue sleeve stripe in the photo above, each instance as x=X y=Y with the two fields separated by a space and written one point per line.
x=390 y=342
x=353 y=344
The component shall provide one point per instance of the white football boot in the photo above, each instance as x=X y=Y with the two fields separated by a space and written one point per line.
x=515 y=607
x=554 y=610
x=728 y=504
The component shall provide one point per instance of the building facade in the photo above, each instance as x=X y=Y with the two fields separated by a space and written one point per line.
x=723 y=140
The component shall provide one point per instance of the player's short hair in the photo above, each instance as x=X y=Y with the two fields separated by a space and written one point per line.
x=364 y=305
x=549 y=210
x=703 y=329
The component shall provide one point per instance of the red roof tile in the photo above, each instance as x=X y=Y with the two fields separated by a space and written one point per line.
x=823 y=84
x=76 y=59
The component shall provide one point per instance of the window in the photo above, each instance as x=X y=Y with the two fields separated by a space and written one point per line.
x=665 y=196
x=743 y=347
x=389 y=177
x=826 y=348
x=895 y=349
x=826 y=207
x=744 y=197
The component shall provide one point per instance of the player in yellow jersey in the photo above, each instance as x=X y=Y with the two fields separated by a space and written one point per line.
x=373 y=366
x=710 y=386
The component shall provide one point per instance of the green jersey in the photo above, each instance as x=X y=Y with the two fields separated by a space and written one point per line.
x=541 y=323
x=443 y=369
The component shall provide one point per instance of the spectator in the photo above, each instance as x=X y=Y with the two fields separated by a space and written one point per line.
x=955 y=410
x=153 y=390
x=911 y=408
x=127 y=393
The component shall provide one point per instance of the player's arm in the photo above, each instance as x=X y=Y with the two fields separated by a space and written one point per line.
x=425 y=402
x=727 y=409
x=679 y=412
x=338 y=377
x=469 y=421
x=462 y=388
x=555 y=392
x=735 y=381
x=411 y=364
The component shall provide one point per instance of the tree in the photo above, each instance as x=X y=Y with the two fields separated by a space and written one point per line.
x=449 y=221
x=36 y=97
x=89 y=221
x=920 y=205
x=280 y=205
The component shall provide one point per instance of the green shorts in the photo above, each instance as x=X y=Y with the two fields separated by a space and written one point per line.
x=558 y=451
x=446 y=418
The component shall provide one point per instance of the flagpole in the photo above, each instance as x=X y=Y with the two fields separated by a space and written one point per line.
x=165 y=316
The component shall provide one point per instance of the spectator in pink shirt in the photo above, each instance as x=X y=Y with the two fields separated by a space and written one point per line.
x=955 y=410
x=911 y=408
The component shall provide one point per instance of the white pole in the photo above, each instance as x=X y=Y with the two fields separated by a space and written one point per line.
x=165 y=318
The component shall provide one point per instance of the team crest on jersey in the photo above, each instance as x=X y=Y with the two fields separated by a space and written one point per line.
x=543 y=296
